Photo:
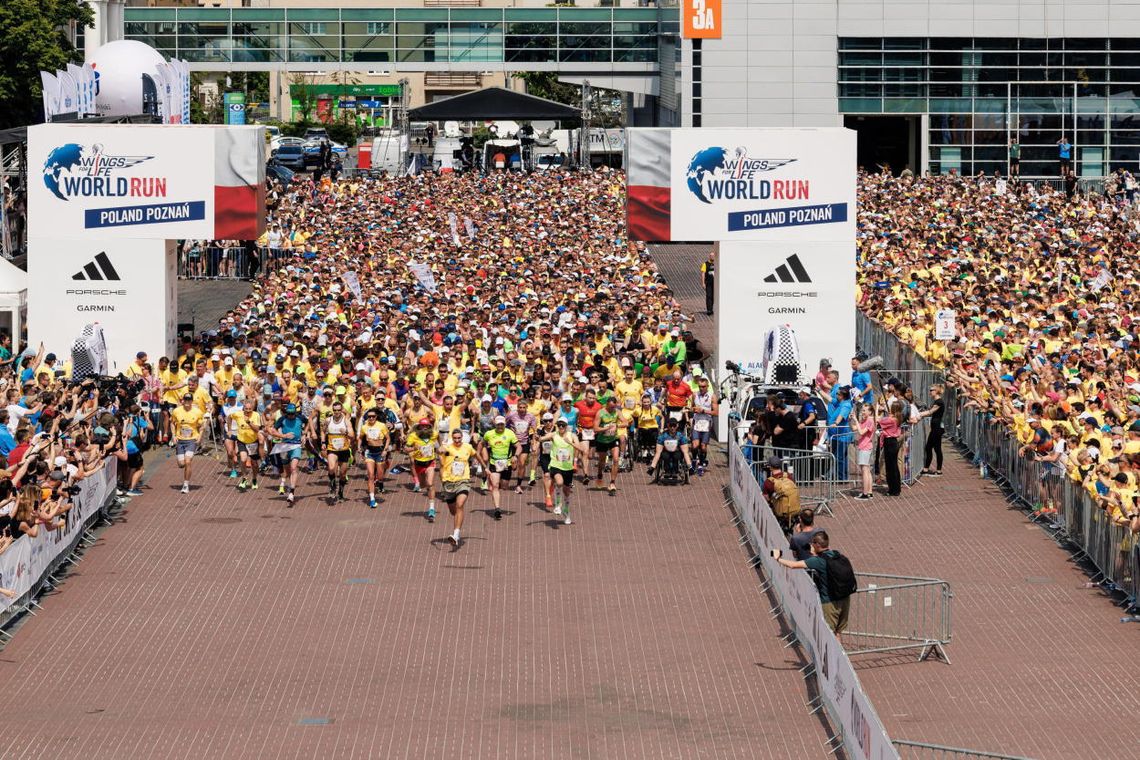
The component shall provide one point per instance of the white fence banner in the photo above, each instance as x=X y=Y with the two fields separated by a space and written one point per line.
x=864 y=737
x=28 y=560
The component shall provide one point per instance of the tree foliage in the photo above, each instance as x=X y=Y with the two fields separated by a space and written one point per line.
x=34 y=39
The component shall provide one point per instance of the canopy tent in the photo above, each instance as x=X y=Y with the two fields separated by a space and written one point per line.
x=494 y=103
x=13 y=300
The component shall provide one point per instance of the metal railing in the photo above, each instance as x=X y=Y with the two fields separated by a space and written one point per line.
x=231 y=263
x=813 y=473
x=891 y=613
x=922 y=751
x=1067 y=509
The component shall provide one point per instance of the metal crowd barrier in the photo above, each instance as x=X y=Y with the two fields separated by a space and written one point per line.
x=895 y=612
x=1076 y=520
x=923 y=751
x=231 y=263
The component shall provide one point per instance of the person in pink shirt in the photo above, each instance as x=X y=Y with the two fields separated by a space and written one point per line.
x=865 y=430
x=890 y=428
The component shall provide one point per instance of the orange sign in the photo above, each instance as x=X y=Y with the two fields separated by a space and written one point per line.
x=701 y=19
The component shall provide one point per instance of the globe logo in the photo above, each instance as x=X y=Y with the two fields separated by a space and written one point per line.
x=65 y=158
x=706 y=162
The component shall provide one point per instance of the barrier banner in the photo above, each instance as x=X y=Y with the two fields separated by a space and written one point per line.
x=864 y=737
x=29 y=560
x=424 y=275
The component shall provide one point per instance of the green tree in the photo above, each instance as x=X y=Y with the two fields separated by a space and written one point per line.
x=34 y=39
x=305 y=97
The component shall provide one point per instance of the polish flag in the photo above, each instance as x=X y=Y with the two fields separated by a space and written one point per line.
x=239 y=184
x=648 y=185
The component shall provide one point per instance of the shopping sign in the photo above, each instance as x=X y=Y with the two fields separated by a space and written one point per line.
x=741 y=184
x=146 y=181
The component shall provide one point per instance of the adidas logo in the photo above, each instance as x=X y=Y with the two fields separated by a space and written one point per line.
x=792 y=270
x=100 y=268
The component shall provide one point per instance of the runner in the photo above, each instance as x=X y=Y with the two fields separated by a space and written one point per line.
x=543 y=438
x=523 y=423
x=188 y=421
x=422 y=445
x=606 y=442
x=588 y=408
x=289 y=431
x=705 y=409
x=455 y=474
x=340 y=440
x=229 y=424
x=249 y=447
x=499 y=446
x=565 y=449
x=375 y=440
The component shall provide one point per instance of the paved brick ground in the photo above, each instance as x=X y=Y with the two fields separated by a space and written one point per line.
x=225 y=625
x=204 y=302
x=1041 y=664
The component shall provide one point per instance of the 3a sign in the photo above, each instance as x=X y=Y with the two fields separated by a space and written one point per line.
x=701 y=19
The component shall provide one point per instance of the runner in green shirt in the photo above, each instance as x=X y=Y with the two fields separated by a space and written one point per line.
x=564 y=450
x=498 y=451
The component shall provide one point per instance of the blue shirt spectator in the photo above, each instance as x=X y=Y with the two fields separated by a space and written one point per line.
x=7 y=442
x=839 y=418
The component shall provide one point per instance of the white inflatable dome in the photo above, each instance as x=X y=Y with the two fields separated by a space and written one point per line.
x=119 y=70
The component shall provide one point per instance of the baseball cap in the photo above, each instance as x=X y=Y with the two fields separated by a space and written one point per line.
x=547 y=416
x=486 y=399
x=231 y=393
x=60 y=462
x=229 y=362
x=567 y=397
x=290 y=408
x=500 y=420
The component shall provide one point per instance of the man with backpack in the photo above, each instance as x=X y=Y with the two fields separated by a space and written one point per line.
x=834 y=580
x=782 y=493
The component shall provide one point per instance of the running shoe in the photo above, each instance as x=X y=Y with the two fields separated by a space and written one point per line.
x=233 y=473
x=497 y=514
x=289 y=500
x=431 y=514
x=613 y=489
x=530 y=484
x=372 y=499
x=244 y=484
x=518 y=489
x=185 y=488
x=454 y=537
x=253 y=485
x=134 y=492
x=567 y=521
x=281 y=489
x=558 y=509
x=415 y=488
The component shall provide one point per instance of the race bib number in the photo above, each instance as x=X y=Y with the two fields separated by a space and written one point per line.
x=676 y=416
x=546 y=447
x=671 y=444
x=587 y=435
x=498 y=465
x=187 y=432
x=563 y=455
x=336 y=442
x=458 y=467
x=701 y=425
x=427 y=451
x=521 y=427
x=630 y=403
x=373 y=435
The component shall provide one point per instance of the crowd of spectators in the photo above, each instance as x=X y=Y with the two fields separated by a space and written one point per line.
x=1046 y=289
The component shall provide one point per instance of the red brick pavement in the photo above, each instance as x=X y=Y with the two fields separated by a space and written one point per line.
x=225 y=625
x=1040 y=662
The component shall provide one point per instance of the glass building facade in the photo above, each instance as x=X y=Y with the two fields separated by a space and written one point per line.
x=526 y=36
x=980 y=92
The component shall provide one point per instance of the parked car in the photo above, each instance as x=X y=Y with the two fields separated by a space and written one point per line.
x=316 y=133
x=277 y=142
x=313 y=152
x=278 y=171
x=291 y=157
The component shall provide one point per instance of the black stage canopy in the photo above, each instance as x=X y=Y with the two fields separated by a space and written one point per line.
x=494 y=103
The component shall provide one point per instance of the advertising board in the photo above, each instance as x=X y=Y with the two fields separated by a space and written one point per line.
x=146 y=181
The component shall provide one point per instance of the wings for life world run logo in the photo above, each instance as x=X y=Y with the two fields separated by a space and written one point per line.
x=713 y=175
x=73 y=170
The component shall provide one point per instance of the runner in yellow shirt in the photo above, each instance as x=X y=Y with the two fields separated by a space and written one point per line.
x=455 y=472
x=422 y=444
x=248 y=427
x=188 y=421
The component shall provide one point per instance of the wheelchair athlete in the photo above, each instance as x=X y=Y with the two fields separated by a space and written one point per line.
x=672 y=451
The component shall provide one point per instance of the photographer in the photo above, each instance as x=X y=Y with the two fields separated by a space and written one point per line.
x=782 y=493
x=834 y=579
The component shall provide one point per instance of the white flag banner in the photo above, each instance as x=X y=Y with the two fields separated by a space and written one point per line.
x=159 y=79
x=354 y=285
x=423 y=275
x=50 y=95
x=453 y=223
x=1101 y=280
x=76 y=74
x=470 y=227
x=68 y=92
x=184 y=70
